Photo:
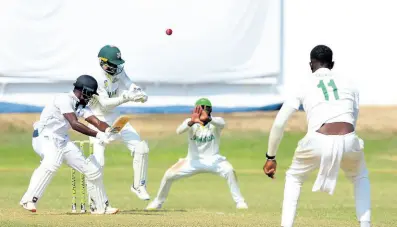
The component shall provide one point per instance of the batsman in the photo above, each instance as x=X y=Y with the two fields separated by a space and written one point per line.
x=114 y=89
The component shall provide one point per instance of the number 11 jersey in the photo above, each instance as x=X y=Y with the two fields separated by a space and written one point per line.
x=325 y=97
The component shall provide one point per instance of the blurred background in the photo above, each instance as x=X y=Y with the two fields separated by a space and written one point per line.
x=240 y=54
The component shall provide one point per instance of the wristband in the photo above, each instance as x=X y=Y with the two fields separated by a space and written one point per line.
x=270 y=157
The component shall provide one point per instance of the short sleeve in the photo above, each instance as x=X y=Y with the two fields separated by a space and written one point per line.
x=87 y=112
x=65 y=103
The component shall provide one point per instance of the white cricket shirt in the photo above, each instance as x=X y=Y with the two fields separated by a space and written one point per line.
x=109 y=86
x=203 y=141
x=326 y=97
x=52 y=120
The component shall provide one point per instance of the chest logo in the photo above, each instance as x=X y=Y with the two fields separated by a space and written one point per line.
x=203 y=139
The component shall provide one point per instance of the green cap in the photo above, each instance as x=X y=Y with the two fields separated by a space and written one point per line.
x=111 y=54
x=203 y=102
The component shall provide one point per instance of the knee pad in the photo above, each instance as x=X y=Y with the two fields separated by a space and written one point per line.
x=169 y=175
x=140 y=148
x=92 y=171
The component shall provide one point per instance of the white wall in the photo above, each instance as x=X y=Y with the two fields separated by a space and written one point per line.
x=362 y=34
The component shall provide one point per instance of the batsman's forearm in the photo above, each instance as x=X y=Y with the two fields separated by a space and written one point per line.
x=102 y=126
x=79 y=127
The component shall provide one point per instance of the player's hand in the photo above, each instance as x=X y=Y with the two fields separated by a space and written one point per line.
x=196 y=115
x=270 y=168
x=140 y=98
x=103 y=137
x=204 y=117
x=109 y=131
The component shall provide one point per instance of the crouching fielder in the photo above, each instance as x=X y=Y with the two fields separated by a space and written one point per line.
x=331 y=105
x=203 y=156
x=52 y=143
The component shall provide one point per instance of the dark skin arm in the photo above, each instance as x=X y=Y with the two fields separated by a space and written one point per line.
x=78 y=126
x=102 y=126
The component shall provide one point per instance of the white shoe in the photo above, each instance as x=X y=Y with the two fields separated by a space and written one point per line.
x=108 y=210
x=140 y=192
x=242 y=206
x=111 y=210
x=154 y=205
x=30 y=206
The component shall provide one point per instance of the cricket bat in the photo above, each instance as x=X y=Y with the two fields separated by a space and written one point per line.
x=119 y=123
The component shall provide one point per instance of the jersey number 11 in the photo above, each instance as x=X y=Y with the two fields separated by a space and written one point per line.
x=325 y=91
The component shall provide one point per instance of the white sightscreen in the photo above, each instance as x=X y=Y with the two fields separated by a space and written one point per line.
x=213 y=40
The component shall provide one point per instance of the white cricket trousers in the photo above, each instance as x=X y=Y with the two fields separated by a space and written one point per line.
x=328 y=153
x=131 y=139
x=55 y=151
x=186 y=168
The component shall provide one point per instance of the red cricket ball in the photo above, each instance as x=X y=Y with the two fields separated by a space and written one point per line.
x=168 y=31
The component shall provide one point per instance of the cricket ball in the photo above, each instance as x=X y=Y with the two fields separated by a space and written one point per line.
x=168 y=31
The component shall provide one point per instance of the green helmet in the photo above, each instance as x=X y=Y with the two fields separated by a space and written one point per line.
x=110 y=56
x=203 y=102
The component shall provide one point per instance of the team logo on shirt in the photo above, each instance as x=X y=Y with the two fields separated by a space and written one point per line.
x=203 y=139
x=111 y=94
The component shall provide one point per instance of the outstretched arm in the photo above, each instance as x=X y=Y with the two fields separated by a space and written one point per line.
x=276 y=134
x=107 y=102
x=277 y=131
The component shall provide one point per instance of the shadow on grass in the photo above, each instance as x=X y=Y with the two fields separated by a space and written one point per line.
x=151 y=212
x=134 y=211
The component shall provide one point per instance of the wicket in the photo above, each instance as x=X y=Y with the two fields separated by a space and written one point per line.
x=83 y=183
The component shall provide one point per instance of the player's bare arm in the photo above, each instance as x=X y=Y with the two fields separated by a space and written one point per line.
x=102 y=126
x=78 y=126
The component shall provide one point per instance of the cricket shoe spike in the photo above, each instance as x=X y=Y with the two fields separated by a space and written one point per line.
x=242 y=206
x=154 y=205
x=30 y=206
x=140 y=192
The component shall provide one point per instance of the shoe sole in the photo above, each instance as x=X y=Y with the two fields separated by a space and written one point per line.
x=115 y=212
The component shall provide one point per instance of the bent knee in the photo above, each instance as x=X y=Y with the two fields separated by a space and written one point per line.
x=170 y=175
x=228 y=171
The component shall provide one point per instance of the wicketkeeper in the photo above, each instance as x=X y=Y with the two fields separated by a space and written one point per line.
x=114 y=89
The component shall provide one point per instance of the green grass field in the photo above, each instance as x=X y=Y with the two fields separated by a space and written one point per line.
x=202 y=200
